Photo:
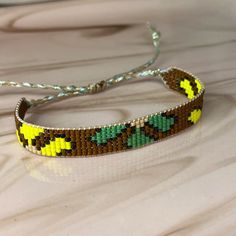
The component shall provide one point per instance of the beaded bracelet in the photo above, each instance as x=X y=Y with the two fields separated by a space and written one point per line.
x=131 y=134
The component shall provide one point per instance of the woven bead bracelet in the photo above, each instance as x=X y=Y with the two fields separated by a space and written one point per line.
x=115 y=137
x=131 y=134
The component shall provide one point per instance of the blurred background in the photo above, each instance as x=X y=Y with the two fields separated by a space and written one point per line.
x=18 y=2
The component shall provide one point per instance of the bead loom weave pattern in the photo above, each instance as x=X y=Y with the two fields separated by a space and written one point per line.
x=84 y=142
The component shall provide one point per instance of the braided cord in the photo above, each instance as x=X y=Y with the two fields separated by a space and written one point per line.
x=73 y=90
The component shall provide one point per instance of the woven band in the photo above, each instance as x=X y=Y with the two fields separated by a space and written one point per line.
x=85 y=142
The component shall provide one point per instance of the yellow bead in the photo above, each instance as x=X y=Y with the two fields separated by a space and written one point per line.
x=53 y=153
x=63 y=143
x=48 y=150
x=185 y=84
x=199 y=86
x=195 y=115
x=68 y=145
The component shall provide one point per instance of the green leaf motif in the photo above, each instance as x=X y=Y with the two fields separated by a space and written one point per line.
x=138 y=139
x=162 y=123
x=107 y=133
